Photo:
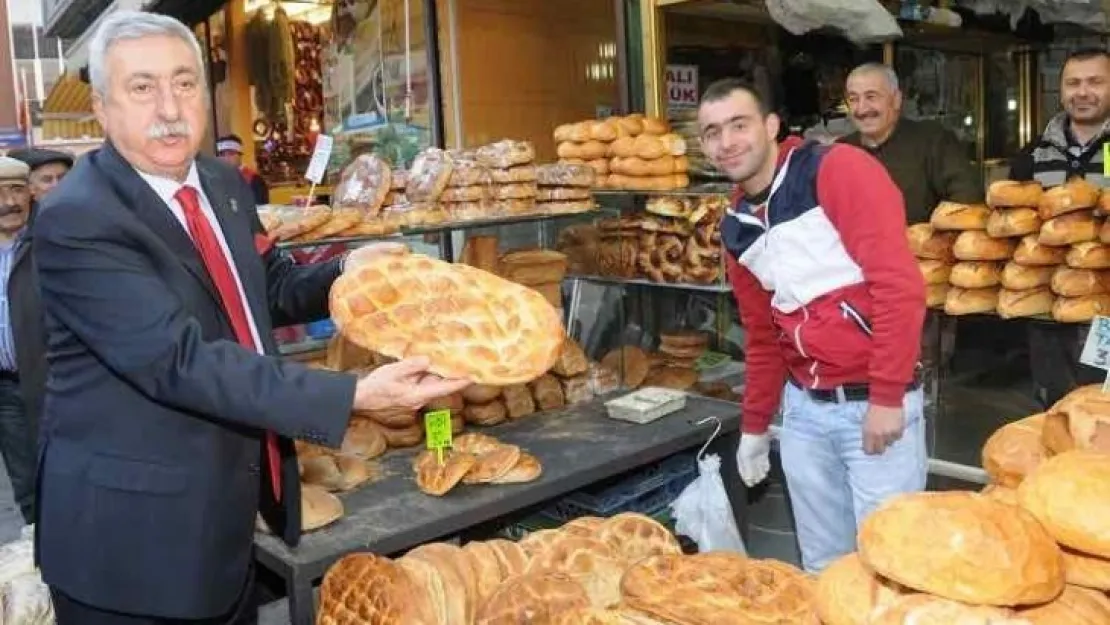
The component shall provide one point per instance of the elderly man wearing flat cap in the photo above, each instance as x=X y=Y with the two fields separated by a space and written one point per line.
x=18 y=427
x=47 y=168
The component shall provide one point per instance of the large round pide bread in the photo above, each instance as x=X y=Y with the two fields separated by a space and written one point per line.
x=470 y=323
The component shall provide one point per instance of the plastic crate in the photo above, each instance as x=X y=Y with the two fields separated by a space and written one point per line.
x=645 y=491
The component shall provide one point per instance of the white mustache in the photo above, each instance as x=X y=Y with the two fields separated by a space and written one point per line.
x=161 y=130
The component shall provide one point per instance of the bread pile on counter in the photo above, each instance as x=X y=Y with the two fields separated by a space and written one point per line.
x=565 y=188
x=374 y=199
x=632 y=152
x=626 y=569
x=537 y=269
x=474 y=459
x=572 y=379
x=677 y=241
x=1030 y=252
x=673 y=366
x=1032 y=549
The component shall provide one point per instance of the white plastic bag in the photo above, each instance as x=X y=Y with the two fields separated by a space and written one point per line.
x=861 y=21
x=703 y=512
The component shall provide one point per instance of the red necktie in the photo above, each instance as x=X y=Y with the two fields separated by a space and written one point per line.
x=204 y=237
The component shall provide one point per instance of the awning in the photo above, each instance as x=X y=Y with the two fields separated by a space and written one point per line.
x=67 y=112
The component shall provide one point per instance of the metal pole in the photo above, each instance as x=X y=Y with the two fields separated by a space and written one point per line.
x=435 y=93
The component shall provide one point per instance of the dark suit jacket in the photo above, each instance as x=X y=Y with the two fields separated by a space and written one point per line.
x=150 y=461
x=28 y=332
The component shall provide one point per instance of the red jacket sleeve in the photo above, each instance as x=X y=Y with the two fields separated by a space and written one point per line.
x=868 y=211
x=765 y=368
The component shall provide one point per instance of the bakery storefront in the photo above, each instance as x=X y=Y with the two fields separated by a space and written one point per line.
x=552 y=182
x=568 y=174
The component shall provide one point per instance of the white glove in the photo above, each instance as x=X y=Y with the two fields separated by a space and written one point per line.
x=753 y=458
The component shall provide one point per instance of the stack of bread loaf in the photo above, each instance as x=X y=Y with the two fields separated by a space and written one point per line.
x=958 y=557
x=633 y=152
x=319 y=508
x=626 y=569
x=677 y=241
x=538 y=269
x=495 y=179
x=1056 y=268
x=564 y=188
x=1033 y=548
x=673 y=366
x=415 y=204
x=473 y=459
x=358 y=197
x=573 y=379
x=1031 y=252
x=512 y=175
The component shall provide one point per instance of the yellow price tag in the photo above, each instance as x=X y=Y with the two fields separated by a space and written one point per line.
x=1106 y=159
x=437 y=431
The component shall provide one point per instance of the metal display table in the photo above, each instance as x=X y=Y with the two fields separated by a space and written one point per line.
x=578 y=446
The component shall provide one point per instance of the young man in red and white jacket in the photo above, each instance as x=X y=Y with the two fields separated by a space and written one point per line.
x=832 y=304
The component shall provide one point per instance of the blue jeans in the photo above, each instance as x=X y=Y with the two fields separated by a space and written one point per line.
x=833 y=485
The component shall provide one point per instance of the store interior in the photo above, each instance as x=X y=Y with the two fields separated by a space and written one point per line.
x=391 y=77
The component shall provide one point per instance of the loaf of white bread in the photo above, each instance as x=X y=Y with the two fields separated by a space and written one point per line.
x=1028 y=252
x=1033 y=548
x=633 y=152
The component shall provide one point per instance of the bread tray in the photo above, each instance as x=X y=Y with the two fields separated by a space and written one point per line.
x=646 y=404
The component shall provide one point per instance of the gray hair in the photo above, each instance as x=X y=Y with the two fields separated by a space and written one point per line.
x=126 y=25
x=886 y=71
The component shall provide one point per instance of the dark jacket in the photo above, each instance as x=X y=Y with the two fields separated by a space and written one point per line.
x=928 y=164
x=28 y=331
x=257 y=184
x=1053 y=157
x=154 y=419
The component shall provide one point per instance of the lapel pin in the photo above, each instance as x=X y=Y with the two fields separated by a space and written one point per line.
x=234 y=206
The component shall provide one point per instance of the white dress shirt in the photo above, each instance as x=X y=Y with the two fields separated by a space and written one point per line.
x=166 y=189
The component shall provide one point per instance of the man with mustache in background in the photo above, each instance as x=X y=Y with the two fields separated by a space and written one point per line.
x=18 y=433
x=926 y=161
x=169 y=417
x=1071 y=145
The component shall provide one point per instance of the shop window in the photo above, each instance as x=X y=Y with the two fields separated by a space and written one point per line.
x=1002 y=106
x=522 y=67
x=375 y=80
x=943 y=87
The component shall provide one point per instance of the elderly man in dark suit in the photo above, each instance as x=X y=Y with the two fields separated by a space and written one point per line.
x=168 y=420
x=17 y=422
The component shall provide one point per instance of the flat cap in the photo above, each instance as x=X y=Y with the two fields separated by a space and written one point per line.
x=13 y=170
x=37 y=157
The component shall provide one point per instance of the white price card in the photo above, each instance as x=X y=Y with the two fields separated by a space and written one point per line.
x=321 y=154
x=1096 y=349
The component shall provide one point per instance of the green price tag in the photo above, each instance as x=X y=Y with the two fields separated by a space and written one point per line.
x=437 y=430
x=1106 y=159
